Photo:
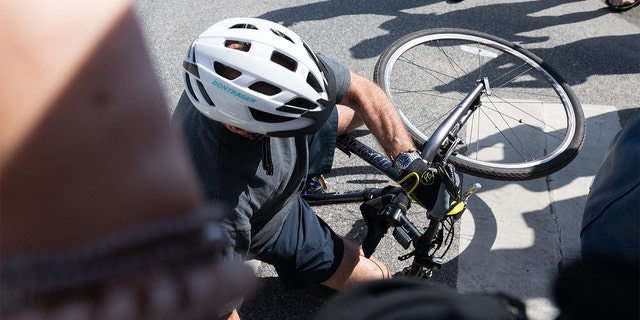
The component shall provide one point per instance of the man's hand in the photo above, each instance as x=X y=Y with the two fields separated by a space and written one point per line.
x=421 y=183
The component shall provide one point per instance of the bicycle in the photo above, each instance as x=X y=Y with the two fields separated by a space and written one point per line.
x=515 y=119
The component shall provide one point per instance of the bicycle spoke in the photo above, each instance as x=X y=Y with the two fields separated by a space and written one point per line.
x=428 y=71
x=541 y=122
x=516 y=136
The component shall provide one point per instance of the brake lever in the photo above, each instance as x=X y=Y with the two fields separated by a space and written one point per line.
x=376 y=224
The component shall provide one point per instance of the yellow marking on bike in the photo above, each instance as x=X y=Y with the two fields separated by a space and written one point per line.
x=413 y=175
x=457 y=208
x=428 y=178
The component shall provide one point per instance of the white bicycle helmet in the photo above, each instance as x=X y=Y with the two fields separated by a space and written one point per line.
x=257 y=75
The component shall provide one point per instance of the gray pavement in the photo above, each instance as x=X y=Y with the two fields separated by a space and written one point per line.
x=515 y=236
x=519 y=235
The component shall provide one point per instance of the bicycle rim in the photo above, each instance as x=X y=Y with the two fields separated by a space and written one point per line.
x=529 y=123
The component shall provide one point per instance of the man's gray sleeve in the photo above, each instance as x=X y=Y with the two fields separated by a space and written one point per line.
x=343 y=77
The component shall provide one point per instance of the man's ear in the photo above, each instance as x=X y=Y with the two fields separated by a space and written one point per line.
x=232 y=128
x=240 y=131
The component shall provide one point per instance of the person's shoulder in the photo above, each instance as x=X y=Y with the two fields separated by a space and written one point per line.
x=333 y=64
x=340 y=73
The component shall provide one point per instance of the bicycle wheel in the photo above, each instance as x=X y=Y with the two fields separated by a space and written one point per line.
x=529 y=123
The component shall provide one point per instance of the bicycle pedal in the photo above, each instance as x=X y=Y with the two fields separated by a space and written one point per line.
x=407 y=256
x=316 y=185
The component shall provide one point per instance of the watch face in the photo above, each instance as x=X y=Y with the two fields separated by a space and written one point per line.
x=404 y=160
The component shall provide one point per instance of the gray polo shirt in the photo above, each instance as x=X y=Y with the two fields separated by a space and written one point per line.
x=231 y=172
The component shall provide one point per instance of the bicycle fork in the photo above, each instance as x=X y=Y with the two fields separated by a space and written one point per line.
x=448 y=129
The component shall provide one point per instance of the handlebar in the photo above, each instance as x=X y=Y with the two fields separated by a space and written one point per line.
x=383 y=208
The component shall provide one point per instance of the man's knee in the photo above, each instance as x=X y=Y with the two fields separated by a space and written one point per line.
x=356 y=268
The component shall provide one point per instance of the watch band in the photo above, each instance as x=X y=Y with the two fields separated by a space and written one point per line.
x=403 y=160
x=393 y=159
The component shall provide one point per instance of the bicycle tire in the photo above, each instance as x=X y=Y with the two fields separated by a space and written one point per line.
x=529 y=126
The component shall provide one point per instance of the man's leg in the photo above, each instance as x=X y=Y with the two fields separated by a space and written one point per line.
x=308 y=252
x=355 y=268
x=348 y=120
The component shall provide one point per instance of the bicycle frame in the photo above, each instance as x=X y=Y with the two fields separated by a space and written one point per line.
x=438 y=148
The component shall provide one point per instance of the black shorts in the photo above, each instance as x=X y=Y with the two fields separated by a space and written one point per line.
x=307 y=251
x=322 y=146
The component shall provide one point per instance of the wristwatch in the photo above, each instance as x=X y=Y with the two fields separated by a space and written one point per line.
x=404 y=159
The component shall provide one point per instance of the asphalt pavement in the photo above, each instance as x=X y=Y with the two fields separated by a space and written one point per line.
x=515 y=237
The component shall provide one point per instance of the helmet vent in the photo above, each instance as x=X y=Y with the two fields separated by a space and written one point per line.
x=311 y=54
x=290 y=109
x=191 y=68
x=203 y=91
x=282 y=35
x=284 y=61
x=226 y=71
x=244 y=26
x=302 y=103
x=190 y=87
x=262 y=116
x=314 y=83
x=238 y=45
x=265 y=88
x=190 y=55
